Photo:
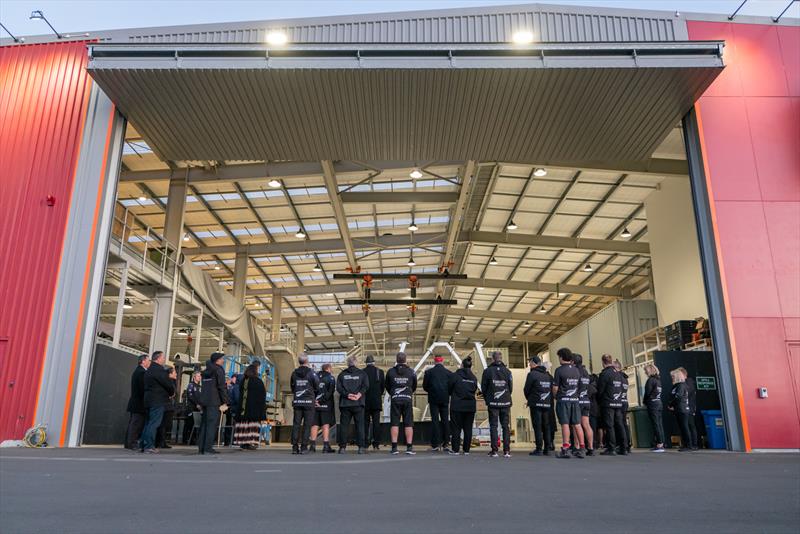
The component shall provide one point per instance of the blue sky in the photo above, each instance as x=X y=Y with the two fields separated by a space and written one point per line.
x=82 y=15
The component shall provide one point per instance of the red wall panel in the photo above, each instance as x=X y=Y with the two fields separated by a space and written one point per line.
x=43 y=100
x=751 y=131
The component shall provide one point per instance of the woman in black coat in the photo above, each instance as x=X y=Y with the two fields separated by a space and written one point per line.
x=679 y=405
x=652 y=399
x=252 y=405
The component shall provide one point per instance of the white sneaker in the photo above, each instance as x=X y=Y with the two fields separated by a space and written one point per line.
x=506 y=455
x=410 y=452
x=661 y=449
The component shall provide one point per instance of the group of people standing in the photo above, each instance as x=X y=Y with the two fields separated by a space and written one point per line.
x=153 y=392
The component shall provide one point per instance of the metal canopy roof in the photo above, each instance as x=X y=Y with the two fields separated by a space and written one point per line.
x=552 y=104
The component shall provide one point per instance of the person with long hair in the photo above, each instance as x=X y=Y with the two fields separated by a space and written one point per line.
x=679 y=405
x=251 y=409
x=652 y=400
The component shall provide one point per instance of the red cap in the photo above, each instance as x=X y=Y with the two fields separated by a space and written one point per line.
x=438 y=359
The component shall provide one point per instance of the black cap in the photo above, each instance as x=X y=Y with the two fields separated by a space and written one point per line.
x=370 y=359
x=216 y=356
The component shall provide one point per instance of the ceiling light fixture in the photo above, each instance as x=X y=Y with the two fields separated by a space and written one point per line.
x=142 y=198
x=539 y=171
x=457 y=331
x=514 y=335
x=277 y=38
x=471 y=304
x=216 y=267
x=300 y=234
x=511 y=225
x=274 y=183
x=542 y=309
x=183 y=332
x=415 y=174
x=527 y=323
x=338 y=309
x=587 y=268
x=522 y=37
x=186 y=237
x=625 y=232
x=408 y=319
x=411 y=261
x=349 y=336
x=127 y=304
x=317 y=267
x=493 y=261
x=413 y=226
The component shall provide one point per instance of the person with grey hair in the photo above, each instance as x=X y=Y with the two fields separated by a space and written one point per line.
x=305 y=386
x=352 y=384
x=496 y=385
x=401 y=382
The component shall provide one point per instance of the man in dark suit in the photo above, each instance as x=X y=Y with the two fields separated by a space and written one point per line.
x=214 y=397
x=373 y=404
x=136 y=409
x=158 y=389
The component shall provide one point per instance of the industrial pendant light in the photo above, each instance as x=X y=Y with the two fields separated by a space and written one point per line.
x=142 y=198
x=274 y=183
x=300 y=234
x=413 y=226
x=415 y=174
x=540 y=172
x=527 y=323
x=625 y=232
x=471 y=304
x=411 y=261
x=493 y=261
x=317 y=267
x=338 y=309
x=127 y=304
x=543 y=309
x=511 y=225
x=587 y=268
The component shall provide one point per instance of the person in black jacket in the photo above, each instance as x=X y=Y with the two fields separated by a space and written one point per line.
x=158 y=388
x=566 y=386
x=192 y=401
x=401 y=383
x=352 y=384
x=679 y=405
x=585 y=403
x=690 y=385
x=373 y=404
x=538 y=393
x=609 y=396
x=496 y=385
x=136 y=409
x=305 y=387
x=594 y=412
x=436 y=382
x=252 y=407
x=628 y=443
x=324 y=417
x=462 y=387
x=652 y=400
x=214 y=399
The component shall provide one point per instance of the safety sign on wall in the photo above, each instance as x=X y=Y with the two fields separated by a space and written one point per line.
x=706 y=382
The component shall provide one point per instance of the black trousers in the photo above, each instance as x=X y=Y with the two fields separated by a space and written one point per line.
x=165 y=429
x=372 y=427
x=615 y=428
x=627 y=441
x=683 y=425
x=540 y=419
x=693 y=431
x=209 y=424
x=347 y=413
x=302 y=419
x=461 y=422
x=188 y=425
x=657 y=421
x=501 y=415
x=440 y=425
x=553 y=426
x=134 y=432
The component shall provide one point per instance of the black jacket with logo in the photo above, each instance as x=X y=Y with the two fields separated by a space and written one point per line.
x=680 y=398
x=624 y=390
x=377 y=383
x=136 y=400
x=690 y=385
x=652 y=393
x=350 y=381
x=538 y=387
x=213 y=391
x=327 y=385
x=462 y=385
x=305 y=385
x=583 y=387
x=609 y=388
x=436 y=382
x=158 y=386
x=401 y=383
x=496 y=385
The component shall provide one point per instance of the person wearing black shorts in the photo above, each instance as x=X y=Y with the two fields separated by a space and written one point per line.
x=324 y=417
x=566 y=382
x=585 y=403
x=401 y=382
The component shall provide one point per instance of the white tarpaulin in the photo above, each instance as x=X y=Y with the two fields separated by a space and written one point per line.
x=232 y=314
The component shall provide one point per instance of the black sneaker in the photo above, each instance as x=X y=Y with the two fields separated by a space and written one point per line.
x=361 y=450
x=579 y=454
x=376 y=447
x=563 y=453
x=395 y=451
x=684 y=449
x=435 y=449
x=295 y=451
x=312 y=447
x=341 y=450
x=446 y=449
x=546 y=452
x=589 y=452
x=608 y=452
x=410 y=451
x=452 y=452
x=537 y=452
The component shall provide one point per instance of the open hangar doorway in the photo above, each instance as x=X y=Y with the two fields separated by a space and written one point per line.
x=265 y=173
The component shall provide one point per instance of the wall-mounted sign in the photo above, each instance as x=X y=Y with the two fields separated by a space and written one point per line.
x=706 y=382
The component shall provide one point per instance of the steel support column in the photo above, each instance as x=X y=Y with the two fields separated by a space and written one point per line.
x=276 y=316
x=123 y=286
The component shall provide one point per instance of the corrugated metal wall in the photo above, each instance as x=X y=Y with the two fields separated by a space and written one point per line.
x=43 y=97
x=548 y=25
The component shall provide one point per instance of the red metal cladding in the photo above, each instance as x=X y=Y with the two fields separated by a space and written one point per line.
x=751 y=124
x=43 y=102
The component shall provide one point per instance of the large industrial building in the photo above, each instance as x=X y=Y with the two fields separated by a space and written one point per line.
x=517 y=178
